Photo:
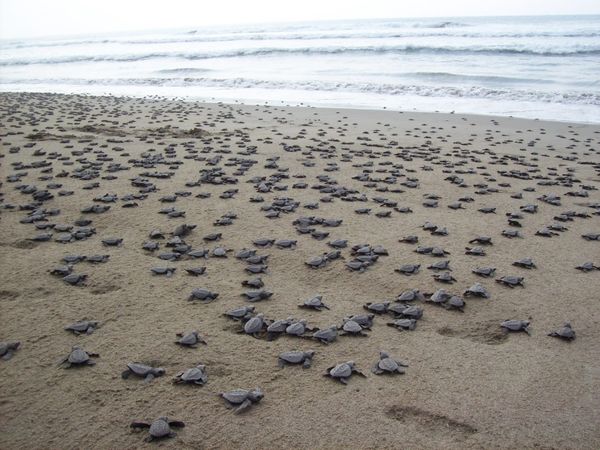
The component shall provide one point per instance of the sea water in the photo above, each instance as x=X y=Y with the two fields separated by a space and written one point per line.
x=545 y=67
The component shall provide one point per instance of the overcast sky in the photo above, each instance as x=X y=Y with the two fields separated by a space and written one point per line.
x=34 y=18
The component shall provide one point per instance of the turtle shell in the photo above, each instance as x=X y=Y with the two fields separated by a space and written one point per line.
x=194 y=374
x=350 y=326
x=78 y=356
x=160 y=428
x=388 y=364
x=343 y=370
x=236 y=396
x=294 y=357
x=254 y=325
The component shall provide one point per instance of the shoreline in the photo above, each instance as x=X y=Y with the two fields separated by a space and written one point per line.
x=469 y=383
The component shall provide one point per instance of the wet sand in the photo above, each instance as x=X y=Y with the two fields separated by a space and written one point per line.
x=469 y=384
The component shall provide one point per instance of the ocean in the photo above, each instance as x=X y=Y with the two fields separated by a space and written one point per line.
x=545 y=67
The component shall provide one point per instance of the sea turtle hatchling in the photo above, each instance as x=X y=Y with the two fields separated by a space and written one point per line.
x=195 y=375
x=75 y=279
x=254 y=325
x=83 y=327
x=477 y=290
x=166 y=271
x=343 y=371
x=377 y=308
x=256 y=296
x=241 y=313
x=484 y=271
x=278 y=327
x=511 y=281
x=565 y=332
x=204 y=295
x=516 y=325
x=525 y=263
x=242 y=399
x=298 y=328
x=587 y=267
x=315 y=302
x=326 y=335
x=352 y=328
x=388 y=365
x=148 y=373
x=403 y=324
x=191 y=339
x=7 y=349
x=296 y=357
x=159 y=429
x=410 y=295
x=78 y=357
x=408 y=269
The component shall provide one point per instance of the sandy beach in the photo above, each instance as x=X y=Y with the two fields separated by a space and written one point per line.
x=469 y=382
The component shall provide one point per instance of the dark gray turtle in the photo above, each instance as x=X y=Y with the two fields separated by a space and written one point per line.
x=410 y=295
x=263 y=243
x=406 y=311
x=587 y=267
x=364 y=320
x=565 y=332
x=191 y=339
x=75 y=279
x=200 y=253
x=256 y=259
x=315 y=302
x=278 y=327
x=296 y=357
x=196 y=271
x=525 y=263
x=256 y=296
x=241 y=313
x=7 y=349
x=326 y=335
x=343 y=371
x=511 y=234
x=352 y=328
x=455 y=302
x=285 y=243
x=159 y=429
x=474 y=251
x=440 y=265
x=444 y=277
x=408 y=269
x=545 y=232
x=255 y=283
x=195 y=375
x=242 y=399
x=255 y=325
x=511 y=281
x=377 y=308
x=298 y=328
x=439 y=297
x=148 y=373
x=220 y=252
x=256 y=268
x=204 y=295
x=166 y=271
x=73 y=259
x=357 y=265
x=516 y=325
x=388 y=365
x=96 y=259
x=212 y=237
x=182 y=230
x=245 y=253
x=78 y=357
x=83 y=327
x=317 y=262
x=338 y=243
x=477 y=290
x=483 y=240
x=112 y=242
x=403 y=324
x=409 y=239
x=62 y=271
x=591 y=236
x=484 y=271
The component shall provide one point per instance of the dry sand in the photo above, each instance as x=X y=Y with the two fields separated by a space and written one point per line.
x=468 y=385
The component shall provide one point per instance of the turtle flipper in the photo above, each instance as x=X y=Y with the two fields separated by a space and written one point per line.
x=281 y=363
x=9 y=354
x=149 y=378
x=344 y=380
x=245 y=405
x=176 y=423
x=125 y=374
x=138 y=425
x=307 y=363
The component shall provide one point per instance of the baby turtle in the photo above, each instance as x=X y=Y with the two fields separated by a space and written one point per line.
x=255 y=325
x=591 y=236
x=516 y=325
x=587 y=267
x=511 y=281
x=403 y=324
x=82 y=327
x=352 y=328
x=474 y=251
x=286 y=243
x=75 y=279
x=296 y=357
x=455 y=302
x=343 y=371
x=195 y=375
x=196 y=271
x=241 y=313
x=190 y=340
x=483 y=240
x=409 y=239
x=410 y=295
x=377 y=308
x=256 y=296
x=484 y=271
x=317 y=262
x=148 y=373
x=298 y=328
x=477 y=290
x=166 y=271
x=388 y=365
x=315 y=302
x=159 y=429
x=204 y=295
x=326 y=335
x=525 y=263
x=408 y=269
x=278 y=327
x=242 y=399
x=78 y=357
x=440 y=265
x=255 y=283
x=444 y=277
x=565 y=332
x=7 y=349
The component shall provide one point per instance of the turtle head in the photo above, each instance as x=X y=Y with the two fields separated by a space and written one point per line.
x=159 y=372
x=256 y=395
x=383 y=355
x=309 y=353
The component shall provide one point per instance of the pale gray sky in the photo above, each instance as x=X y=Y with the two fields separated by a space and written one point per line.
x=34 y=18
